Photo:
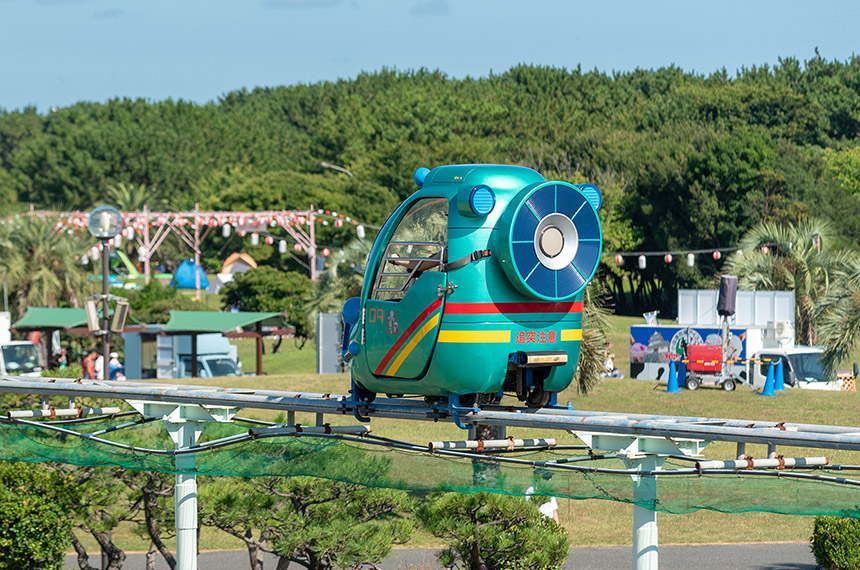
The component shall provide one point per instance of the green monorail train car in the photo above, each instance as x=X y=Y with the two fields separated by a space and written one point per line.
x=474 y=286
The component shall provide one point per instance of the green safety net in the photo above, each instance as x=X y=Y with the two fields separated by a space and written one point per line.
x=376 y=466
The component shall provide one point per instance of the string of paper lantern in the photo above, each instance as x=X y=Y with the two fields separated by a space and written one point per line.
x=246 y=222
x=669 y=256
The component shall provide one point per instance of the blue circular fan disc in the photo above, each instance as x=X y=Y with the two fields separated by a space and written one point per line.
x=555 y=241
x=570 y=282
x=570 y=204
x=542 y=202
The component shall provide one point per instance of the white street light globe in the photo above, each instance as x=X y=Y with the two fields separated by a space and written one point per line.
x=105 y=222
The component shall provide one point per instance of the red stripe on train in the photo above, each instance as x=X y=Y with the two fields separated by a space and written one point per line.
x=507 y=308
x=406 y=334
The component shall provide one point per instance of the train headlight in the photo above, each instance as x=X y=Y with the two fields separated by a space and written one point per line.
x=476 y=201
x=592 y=194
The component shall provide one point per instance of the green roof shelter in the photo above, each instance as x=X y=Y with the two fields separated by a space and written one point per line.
x=51 y=318
x=194 y=323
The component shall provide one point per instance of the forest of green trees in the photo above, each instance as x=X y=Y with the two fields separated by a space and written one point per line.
x=685 y=161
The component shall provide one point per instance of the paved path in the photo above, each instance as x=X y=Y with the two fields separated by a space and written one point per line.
x=762 y=556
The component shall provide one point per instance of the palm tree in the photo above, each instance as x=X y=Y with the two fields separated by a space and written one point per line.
x=595 y=340
x=131 y=198
x=838 y=314
x=798 y=259
x=41 y=263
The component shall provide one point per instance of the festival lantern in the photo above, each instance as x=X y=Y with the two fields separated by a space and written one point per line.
x=255 y=238
x=717 y=255
x=226 y=229
x=117 y=241
x=668 y=258
x=94 y=252
x=691 y=259
x=270 y=240
x=326 y=252
x=359 y=231
x=739 y=253
x=338 y=223
x=298 y=248
x=765 y=249
x=619 y=259
x=642 y=262
x=282 y=246
x=242 y=233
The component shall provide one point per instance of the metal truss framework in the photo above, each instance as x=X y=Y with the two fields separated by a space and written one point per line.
x=643 y=441
x=149 y=229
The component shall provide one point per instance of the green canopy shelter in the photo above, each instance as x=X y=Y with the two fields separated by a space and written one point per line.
x=51 y=318
x=231 y=325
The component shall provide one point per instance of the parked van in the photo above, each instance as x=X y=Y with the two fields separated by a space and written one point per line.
x=20 y=357
x=17 y=357
x=801 y=365
x=151 y=354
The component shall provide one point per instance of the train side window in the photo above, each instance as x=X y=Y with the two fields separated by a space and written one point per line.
x=417 y=245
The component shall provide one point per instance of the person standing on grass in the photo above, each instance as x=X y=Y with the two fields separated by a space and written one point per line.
x=90 y=365
x=549 y=508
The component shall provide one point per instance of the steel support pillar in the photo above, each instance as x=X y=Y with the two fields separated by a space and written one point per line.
x=645 y=534
x=646 y=455
x=185 y=495
x=185 y=423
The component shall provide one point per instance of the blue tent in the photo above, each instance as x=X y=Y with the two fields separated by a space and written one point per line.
x=184 y=276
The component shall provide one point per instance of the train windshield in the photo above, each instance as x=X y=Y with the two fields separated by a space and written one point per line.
x=417 y=245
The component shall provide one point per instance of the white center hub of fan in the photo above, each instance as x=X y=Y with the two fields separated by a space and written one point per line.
x=556 y=241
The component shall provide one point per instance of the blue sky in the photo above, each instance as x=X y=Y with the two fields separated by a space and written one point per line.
x=54 y=53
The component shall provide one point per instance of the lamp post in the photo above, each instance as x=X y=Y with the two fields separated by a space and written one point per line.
x=105 y=222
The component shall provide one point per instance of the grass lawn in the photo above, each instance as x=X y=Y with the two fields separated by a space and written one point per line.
x=589 y=522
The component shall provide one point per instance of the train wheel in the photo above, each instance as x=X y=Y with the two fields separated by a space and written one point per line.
x=468 y=400
x=537 y=397
x=729 y=384
x=692 y=383
x=364 y=395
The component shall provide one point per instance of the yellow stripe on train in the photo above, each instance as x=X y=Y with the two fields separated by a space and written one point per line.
x=474 y=336
x=571 y=334
x=430 y=325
